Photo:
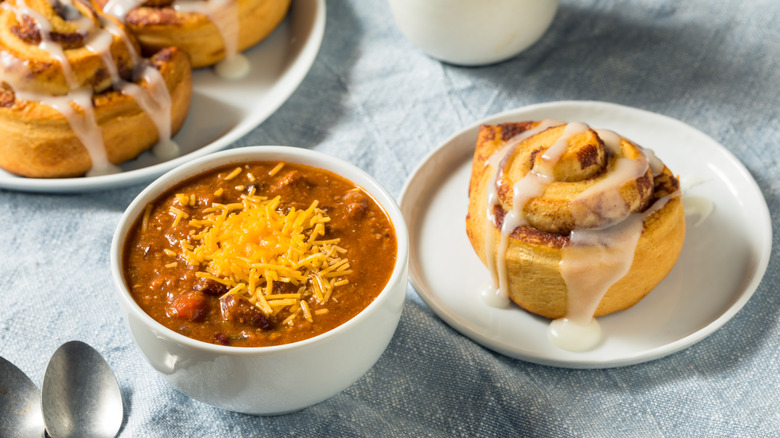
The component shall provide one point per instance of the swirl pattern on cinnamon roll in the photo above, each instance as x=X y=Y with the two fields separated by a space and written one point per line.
x=572 y=222
x=208 y=30
x=76 y=98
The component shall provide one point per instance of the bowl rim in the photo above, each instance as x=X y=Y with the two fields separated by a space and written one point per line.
x=291 y=154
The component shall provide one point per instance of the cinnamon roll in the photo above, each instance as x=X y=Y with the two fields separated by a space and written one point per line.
x=75 y=96
x=572 y=222
x=208 y=30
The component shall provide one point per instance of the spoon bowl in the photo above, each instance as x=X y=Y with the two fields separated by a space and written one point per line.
x=81 y=397
x=20 y=403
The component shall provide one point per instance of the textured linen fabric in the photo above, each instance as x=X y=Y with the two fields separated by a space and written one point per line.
x=374 y=99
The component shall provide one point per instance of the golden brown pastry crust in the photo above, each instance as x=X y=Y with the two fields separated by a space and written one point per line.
x=86 y=58
x=39 y=141
x=157 y=25
x=534 y=251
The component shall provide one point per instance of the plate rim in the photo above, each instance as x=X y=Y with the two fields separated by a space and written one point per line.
x=763 y=219
x=297 y=72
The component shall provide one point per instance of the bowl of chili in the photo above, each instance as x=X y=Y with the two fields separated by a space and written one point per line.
x=264 y=279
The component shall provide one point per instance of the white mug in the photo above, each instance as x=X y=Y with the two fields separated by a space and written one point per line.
x=473 y=32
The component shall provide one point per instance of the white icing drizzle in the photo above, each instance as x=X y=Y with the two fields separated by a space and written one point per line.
x=594 y=258
x=572 y=335
x=656 y=165
x=611 y=140
x=554 y=153
x=100 y=45
x=592 y=261
x=603 y=198
x=496 y=295
x=120 y=8
x=611 y=249
x=154 y=100
x=235 y=67
x=688 y=182
x=531 y=185
x=697 y=208
x=224 y=15
x=83 y=124
x=119 y=32
x=491 y=296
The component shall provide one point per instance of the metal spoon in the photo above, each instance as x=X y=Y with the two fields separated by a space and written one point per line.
x=81 y=397
x=20 y=403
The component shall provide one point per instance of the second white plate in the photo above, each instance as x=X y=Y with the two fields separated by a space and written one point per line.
x=721 y=265
x=222 y=110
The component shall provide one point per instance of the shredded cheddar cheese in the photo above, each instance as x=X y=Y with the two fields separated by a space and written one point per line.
x=250 y=245
x=233 y=174
x=178 y=215
x=276 y=169
x=145 y=220
x=183 y=199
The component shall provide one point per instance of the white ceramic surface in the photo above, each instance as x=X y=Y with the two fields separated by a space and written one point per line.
x=277 y=379
x=222 y=110
x=722 y=262
x=473 y=32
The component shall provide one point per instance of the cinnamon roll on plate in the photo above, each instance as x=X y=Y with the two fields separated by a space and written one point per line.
x=728 y=233
x=572 y=222
x=208 y=30
x=76 y=98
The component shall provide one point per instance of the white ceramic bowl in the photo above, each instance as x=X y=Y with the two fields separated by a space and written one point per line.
x=276 y=379
x=473 y=32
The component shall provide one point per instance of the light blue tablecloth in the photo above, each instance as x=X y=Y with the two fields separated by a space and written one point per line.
x=374 y=99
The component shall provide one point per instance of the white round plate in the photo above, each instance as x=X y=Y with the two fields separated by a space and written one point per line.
x=722 y=262
x=222 y=110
